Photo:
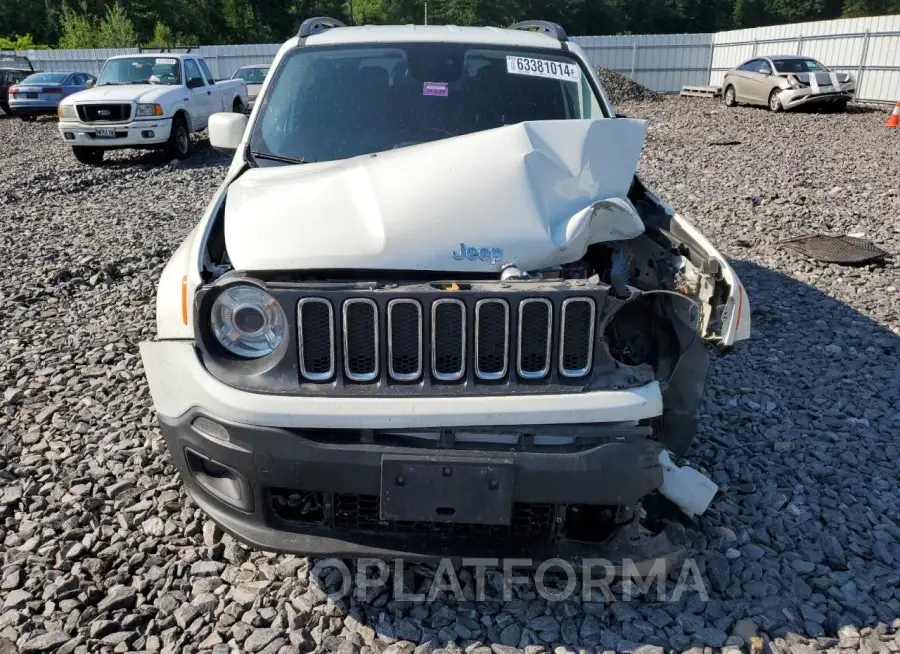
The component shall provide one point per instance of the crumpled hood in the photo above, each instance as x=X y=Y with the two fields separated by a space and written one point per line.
x=534 y=194
x=127 y=93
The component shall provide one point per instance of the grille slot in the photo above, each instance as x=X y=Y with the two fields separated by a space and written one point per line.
x=315 y=326
x=535 y=338
x=491 y=339
x=361 y=340
x=405 y=340
x=103 y=113
x=576 y=349
x=448 y=340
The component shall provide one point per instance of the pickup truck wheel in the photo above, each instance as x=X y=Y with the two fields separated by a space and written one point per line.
x=179 y=144
x=89 y=156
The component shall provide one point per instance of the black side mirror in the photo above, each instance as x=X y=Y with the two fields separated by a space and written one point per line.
x=195 y=83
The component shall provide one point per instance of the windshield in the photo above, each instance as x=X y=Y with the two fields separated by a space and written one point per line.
x=799 y=66
x=330 y=103
x=141 y=70
x=251 y=75
x=45 y=78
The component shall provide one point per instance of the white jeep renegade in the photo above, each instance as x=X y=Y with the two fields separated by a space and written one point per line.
x=432 y=311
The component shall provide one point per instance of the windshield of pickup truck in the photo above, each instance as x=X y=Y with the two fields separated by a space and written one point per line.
x=141 y=70
x=336 y=102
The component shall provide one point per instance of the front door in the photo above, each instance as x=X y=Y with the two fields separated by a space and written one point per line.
x=201 y=94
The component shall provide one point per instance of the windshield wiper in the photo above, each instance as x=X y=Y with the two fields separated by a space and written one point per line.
x=278 y=157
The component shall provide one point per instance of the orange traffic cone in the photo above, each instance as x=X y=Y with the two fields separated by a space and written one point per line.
x=894 y=119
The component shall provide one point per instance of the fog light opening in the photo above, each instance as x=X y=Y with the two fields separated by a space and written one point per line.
x=220 y=481
x=148 y=133
x=69 y=136
x=589 y=523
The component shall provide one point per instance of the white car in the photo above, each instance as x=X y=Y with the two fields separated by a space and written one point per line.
x=254 y=76
x=146 y=101
x=431 y=310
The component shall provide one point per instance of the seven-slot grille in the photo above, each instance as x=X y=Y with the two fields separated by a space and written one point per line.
x=103 y=113
x=497 y=337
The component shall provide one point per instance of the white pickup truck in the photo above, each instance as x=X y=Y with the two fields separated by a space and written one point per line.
x=146 y=101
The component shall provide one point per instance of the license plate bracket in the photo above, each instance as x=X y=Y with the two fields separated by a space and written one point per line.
x=447 y=489
x=102 y=133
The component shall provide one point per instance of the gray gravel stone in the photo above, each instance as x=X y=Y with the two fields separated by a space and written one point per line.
x=798 y=426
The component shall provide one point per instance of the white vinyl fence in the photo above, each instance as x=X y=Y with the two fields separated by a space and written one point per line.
x=869 y=48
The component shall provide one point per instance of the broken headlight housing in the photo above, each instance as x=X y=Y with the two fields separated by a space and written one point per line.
x=247 y=321
x=794 y=82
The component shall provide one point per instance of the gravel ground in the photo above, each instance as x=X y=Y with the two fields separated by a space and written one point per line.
x=622 y=88
x=102 y=551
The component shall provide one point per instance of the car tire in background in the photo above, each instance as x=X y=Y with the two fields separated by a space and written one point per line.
x=729 y=96
x=774 y=102
x=179 y=144
x=5 y=108
x=89 y=156
x=238 y=107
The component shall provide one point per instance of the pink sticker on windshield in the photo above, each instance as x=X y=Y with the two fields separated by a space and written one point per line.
x=438 y=89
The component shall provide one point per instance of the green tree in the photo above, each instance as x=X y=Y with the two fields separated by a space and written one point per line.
x=116 y=29
x=20 y=43
x=162 y=36
x=78 y=30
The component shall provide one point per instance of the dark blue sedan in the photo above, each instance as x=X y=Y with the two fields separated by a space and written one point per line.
x=40 y=93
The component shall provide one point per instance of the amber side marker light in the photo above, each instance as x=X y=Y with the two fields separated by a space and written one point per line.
x=184 y=302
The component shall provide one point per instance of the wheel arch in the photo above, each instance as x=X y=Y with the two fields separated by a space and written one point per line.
x=186 y=116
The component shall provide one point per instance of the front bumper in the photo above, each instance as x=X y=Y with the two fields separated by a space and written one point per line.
x=128 y=135
x=179 y=382
x=791 y=98
x=242 y=454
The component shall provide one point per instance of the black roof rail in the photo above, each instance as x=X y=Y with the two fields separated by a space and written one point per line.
x=186 y=48
x=317 y=25
x=542 y=26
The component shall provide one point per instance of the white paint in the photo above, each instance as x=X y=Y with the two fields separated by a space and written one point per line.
x=689 y=490
x=178 y=382
x=226 y=131
x=536 y=190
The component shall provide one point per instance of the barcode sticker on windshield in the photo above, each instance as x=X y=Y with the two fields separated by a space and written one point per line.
x=542 y=68
x=167 y=61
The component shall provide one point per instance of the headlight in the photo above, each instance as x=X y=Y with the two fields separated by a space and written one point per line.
x=247 y=321
x=794 y=82
x=66 y=111
x=144 y=110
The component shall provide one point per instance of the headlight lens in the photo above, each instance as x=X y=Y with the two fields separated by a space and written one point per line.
x=247 y=321
x=794 y=82
x=66 y=111
x=144 y=110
